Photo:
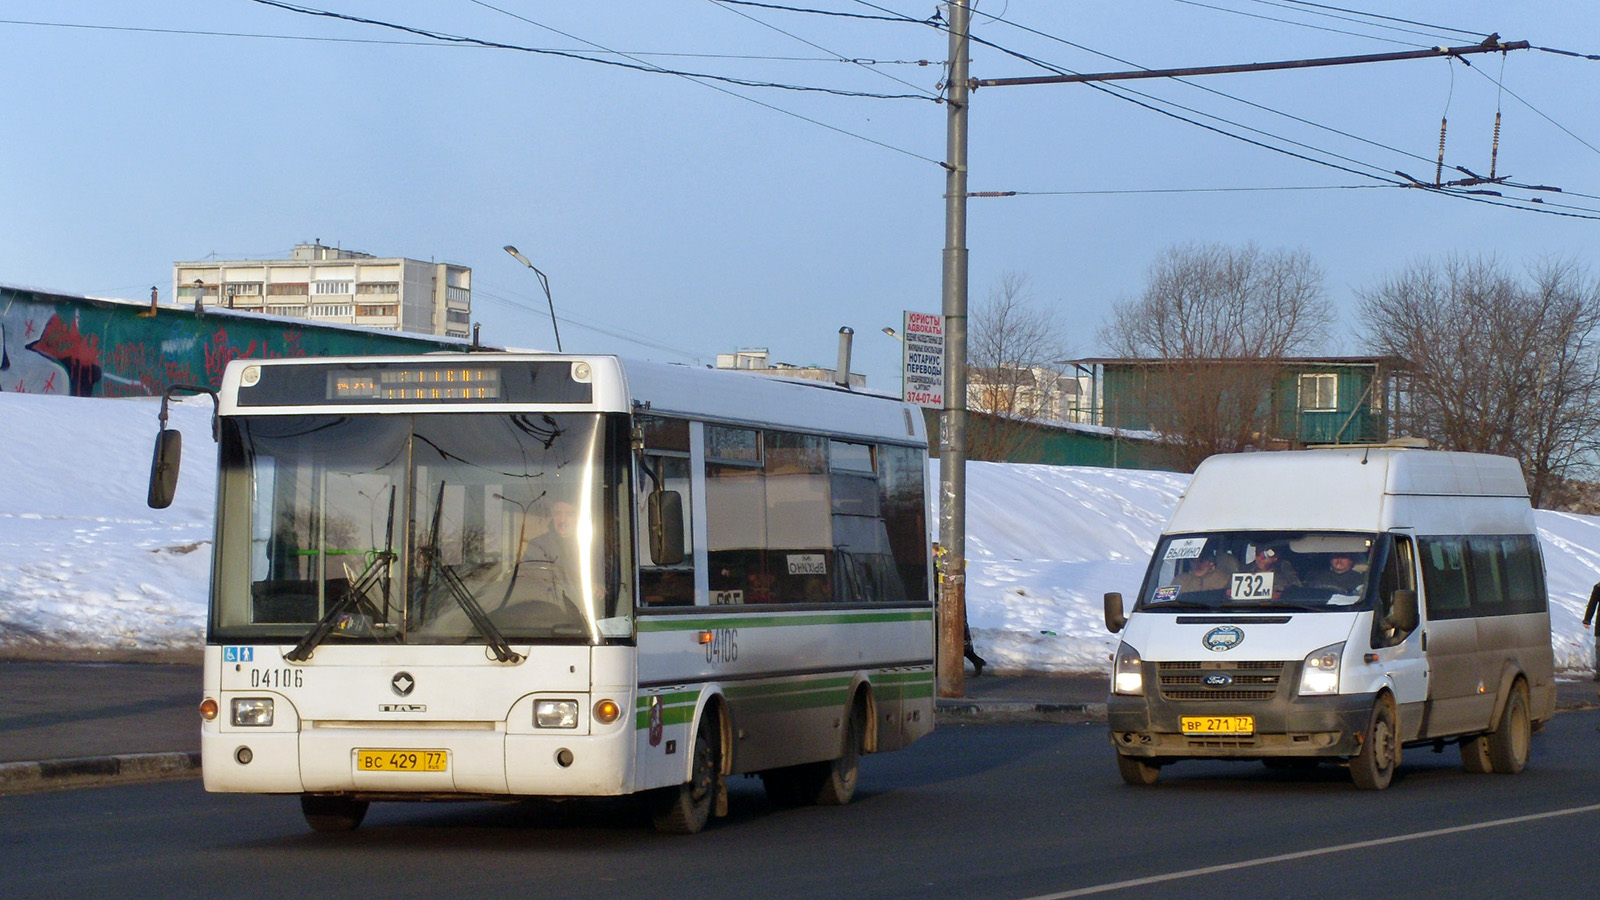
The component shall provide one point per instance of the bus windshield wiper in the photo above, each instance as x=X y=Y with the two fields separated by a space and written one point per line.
x=355 y=598
x=480 y=620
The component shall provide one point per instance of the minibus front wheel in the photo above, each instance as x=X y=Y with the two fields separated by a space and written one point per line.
x=1373 y=767
x=1138 y=772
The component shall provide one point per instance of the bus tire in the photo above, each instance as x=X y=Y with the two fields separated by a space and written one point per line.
x=1138 y=772
x=835 y=780
x=332 y=814
x=1508 y=744
x=1373 y=767
x=686 y=809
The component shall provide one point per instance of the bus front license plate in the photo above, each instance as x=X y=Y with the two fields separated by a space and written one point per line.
x=1219 y=724
x=402 y=760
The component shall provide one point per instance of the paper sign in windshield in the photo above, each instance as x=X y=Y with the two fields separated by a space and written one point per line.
x=1251 y=586
x=1185 y=548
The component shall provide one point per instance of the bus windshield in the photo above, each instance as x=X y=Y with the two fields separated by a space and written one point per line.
x=1312 y=571
x=441 y=528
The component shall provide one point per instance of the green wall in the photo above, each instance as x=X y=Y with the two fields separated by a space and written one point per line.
x=60 y=344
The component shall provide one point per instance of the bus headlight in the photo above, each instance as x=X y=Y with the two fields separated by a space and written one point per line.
x=252 y=712
x=1128 y=676
x=555 y=713
x=1320 y=675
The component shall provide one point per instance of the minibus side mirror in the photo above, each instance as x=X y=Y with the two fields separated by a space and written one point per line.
x=1115 y=617
x=164 y=468
x=1403 y=610
x=665 y=509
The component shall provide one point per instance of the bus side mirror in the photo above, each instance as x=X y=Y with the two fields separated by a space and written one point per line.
x=164 y=468
x=1403 y=611
x=666 y=527
x=1115 y=617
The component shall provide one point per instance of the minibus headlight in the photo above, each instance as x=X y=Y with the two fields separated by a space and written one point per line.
x=1320 y=675
x=252 y=712
x=555 y=713
x=1128 y=676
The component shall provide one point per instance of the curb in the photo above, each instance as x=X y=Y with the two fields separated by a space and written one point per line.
x=89 y=771
x=957 y=711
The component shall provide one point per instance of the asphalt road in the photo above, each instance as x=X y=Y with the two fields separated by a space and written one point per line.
x=1005 y=812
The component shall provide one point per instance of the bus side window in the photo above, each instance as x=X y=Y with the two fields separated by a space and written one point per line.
x=664 y=585
x=1398 y=574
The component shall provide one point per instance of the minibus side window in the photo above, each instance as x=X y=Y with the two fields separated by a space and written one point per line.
x=1398 y=574
x=1444 y=573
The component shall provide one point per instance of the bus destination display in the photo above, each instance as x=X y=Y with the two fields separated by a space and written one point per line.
x=416 y=383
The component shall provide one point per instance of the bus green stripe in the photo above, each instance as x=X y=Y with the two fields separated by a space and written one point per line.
x=756 y=620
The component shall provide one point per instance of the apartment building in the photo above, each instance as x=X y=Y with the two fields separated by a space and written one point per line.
x=338 y=286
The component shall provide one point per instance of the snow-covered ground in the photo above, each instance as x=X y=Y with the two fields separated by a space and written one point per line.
x=86 y=565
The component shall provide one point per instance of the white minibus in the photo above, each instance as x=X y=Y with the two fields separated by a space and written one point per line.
x=1335 y=606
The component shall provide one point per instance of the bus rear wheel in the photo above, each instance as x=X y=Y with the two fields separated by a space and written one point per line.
x=835 y=780
x=332 y=814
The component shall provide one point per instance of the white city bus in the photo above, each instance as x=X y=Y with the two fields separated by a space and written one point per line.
x=494 y=576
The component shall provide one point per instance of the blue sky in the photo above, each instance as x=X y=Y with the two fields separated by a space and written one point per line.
x=677 y=220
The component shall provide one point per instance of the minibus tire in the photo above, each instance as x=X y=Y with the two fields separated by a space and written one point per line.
x=1475 y=754
x=686 y=809
x=1138 y=772
x=332 y=814
x=1509 y=742
x=1373 y=767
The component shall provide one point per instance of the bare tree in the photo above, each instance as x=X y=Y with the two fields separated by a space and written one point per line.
x=1498 y=365
x=1013 y=349
x=1216 y=323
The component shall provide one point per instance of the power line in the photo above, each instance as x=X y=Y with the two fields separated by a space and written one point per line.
x=634 y=65
x=726 y=6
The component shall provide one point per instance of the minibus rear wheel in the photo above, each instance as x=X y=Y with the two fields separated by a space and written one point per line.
x=1509 y=742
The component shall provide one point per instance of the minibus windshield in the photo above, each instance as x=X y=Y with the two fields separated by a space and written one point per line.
x=1311 y=571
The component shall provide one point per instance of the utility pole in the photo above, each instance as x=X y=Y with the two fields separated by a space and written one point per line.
x=952 y=611
x=952 y=608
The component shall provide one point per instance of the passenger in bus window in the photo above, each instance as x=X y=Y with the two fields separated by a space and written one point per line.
x=1269 y=560
x=1340 y=575
x=1203 y=575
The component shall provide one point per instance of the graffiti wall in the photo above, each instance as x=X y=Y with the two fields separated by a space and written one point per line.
x=58 y=344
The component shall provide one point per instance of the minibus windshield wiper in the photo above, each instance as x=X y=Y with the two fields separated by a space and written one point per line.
x=1177 y=604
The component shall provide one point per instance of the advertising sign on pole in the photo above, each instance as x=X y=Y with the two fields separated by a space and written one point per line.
x=922 y=359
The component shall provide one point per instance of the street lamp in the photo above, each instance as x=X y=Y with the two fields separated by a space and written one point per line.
x=896 y=335
x=544 y=283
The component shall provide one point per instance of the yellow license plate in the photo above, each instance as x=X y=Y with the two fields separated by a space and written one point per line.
x=1219 y=724
x=402 y=760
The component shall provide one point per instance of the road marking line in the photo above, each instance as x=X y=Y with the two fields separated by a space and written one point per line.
x=1304 y=854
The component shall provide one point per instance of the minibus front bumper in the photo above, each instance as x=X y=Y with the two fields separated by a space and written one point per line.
x=1152 y=727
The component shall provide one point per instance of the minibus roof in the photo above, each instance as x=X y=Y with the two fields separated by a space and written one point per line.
x=1341 y=489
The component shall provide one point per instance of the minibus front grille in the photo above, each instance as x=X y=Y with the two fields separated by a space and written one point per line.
x=1243 y=680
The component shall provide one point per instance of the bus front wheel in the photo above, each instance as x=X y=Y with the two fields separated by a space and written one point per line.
x=686 y=809
x=332 y=813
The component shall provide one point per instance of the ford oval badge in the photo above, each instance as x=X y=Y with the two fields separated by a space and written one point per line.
x=1218 y=680
x=1225 y=637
